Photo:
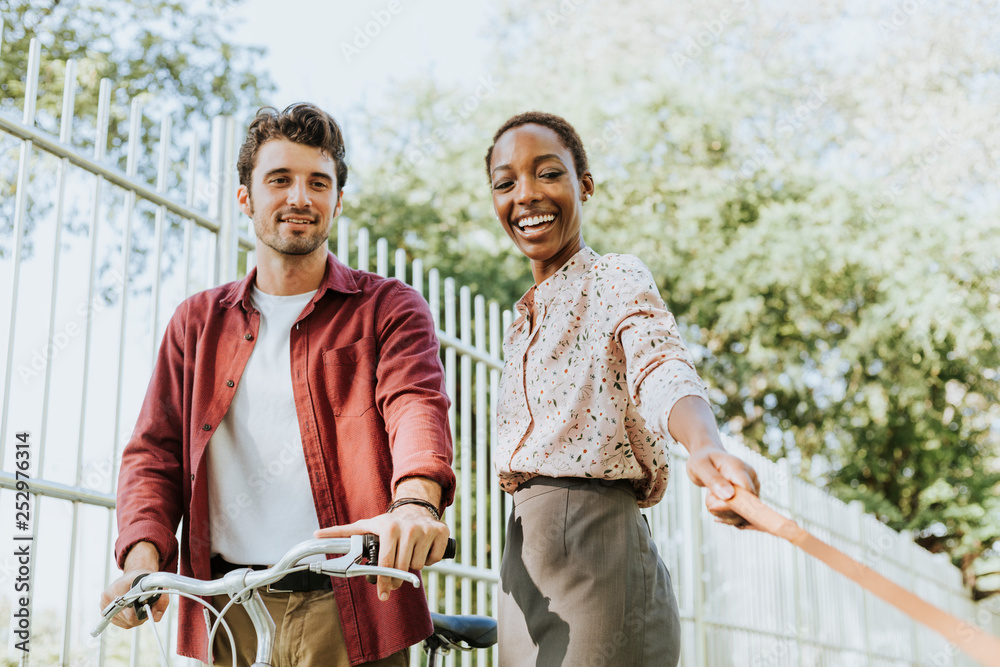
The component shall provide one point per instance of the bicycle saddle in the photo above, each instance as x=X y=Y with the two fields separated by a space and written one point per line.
x=475 y=631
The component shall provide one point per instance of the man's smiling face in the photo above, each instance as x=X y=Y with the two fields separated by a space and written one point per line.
x=293 y=199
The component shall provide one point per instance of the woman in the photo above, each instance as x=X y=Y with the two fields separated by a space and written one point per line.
x=596 y=380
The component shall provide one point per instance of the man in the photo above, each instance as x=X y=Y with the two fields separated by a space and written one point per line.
x=302 y=400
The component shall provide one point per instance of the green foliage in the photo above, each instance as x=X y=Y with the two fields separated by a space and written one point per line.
x=175 y=57
x=171 y=51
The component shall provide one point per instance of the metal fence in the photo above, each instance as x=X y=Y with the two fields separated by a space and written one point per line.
x=94 y=262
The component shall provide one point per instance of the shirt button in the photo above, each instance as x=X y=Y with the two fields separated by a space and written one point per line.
x=229 y=383
x=249 y=336
x=192 y=477
x=207 y=427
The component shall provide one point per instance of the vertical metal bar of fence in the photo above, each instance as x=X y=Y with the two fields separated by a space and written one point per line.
x=20 y=204
x=65 y=137
x=496 y=499
x=192 y=175
x=787 y=479
x=434 y=302
x=20 y=212
x=450 y=384
x=400 y=272
x=131 y=169
x=363 y=249
x=465 y=318
x=162 y=169
x=857 y=520
x=699 y=583
x=382 y=258
x=216 y=160
x=508 y=319
x=417 y=279
x=100 y=150
x=229 y=229
x=482 y=455
x=344 y=240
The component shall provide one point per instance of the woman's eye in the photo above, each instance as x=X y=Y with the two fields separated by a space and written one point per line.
x=552 y=174
x=500 y=185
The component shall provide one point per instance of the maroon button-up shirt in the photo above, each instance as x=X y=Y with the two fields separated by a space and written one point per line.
x=372 y=410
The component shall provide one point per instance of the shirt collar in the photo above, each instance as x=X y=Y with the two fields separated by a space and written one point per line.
x=337 y=278
x=577 y=265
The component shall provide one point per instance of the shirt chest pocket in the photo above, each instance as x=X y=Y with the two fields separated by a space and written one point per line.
x=349 y=375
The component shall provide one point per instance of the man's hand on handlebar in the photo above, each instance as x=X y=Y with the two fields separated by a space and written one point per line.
x=409 y=539
x=142 y=559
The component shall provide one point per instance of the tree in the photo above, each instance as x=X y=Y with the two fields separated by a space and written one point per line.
x=175 y=52
x=814 y=204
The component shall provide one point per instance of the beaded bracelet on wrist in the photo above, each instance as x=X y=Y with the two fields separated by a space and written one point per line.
x=429 y=506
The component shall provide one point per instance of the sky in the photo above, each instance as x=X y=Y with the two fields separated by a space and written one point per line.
x=343 y=54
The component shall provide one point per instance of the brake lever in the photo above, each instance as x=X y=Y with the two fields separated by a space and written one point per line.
x=119 y=603
x=373 y=571
x=139 y=604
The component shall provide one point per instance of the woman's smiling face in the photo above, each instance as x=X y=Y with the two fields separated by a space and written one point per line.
x=538 y=197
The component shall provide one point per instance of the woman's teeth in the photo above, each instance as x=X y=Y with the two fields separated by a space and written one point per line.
x=535 y=220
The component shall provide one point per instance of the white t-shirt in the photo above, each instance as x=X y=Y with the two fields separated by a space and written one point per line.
x=260 y=500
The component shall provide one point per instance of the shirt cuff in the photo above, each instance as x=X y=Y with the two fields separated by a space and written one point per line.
x=152 y=532
x=662 y=388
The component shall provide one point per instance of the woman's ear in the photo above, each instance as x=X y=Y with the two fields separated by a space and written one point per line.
x=586 y=186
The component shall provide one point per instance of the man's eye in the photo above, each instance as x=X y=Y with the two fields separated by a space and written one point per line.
x=500 y=185
x=552 y=174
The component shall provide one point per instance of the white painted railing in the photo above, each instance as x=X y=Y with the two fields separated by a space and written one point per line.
x=111 y=256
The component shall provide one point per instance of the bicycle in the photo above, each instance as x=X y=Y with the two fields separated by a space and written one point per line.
x=360 y=552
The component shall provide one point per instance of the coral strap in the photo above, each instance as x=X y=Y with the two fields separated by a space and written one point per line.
x=971 y=640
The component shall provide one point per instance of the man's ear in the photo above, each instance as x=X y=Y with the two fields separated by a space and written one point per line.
x=340 y=204
x=243 y=198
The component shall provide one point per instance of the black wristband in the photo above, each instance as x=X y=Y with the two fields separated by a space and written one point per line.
x=426 y=504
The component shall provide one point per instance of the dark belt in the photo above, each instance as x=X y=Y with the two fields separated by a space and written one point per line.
x=293 y=582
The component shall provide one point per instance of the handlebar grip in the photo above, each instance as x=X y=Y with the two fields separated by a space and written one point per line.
x=140 y=612
x=371 y=552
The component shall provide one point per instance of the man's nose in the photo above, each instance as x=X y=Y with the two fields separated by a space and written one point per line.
x=298 y=195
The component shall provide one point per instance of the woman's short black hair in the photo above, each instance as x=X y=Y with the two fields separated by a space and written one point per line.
x=567 y=135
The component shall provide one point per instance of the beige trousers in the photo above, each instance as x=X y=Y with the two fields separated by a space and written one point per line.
x=307 y=633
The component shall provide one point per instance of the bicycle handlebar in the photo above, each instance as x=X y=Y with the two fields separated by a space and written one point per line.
x=356 y=549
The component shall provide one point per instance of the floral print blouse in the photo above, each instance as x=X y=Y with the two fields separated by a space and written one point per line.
x=589 y=382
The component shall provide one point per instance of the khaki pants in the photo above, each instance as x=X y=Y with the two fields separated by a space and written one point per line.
x=307 y=633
